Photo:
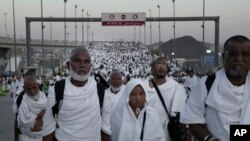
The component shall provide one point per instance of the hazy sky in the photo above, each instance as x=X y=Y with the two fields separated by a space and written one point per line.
x=233 y=14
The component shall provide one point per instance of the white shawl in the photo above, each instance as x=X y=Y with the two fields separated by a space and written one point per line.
x=231 y=108
x=79 y=117
x=28 y=111
x=126 y=127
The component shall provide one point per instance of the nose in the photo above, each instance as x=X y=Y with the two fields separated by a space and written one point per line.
x=239 y=56
x=137 y=97
x=33 y=91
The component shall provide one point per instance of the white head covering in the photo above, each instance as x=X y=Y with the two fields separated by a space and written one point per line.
x=126 y=127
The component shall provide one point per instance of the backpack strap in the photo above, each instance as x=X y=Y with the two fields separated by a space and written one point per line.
x=19 y=99
x=59 y=90
x=209 y=81
x=18 y=103
x=143 y=125
x=100 y=92
x=59 y=93
x=161 y=98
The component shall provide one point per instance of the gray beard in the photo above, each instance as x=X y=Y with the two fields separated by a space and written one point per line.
x=35 y=97
x=78 y=77
x=115 y=89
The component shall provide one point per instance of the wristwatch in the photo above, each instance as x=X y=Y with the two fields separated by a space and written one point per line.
x=207 y=137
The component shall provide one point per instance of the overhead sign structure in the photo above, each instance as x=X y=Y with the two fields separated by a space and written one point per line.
x=123 y=19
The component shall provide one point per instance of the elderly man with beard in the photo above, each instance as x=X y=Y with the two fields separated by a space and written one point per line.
x=79 y=116
x=111 y=98
x=210 y=112
x=173 y=93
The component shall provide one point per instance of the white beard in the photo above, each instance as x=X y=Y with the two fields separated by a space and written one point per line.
x=78 y=77
x=115 y=89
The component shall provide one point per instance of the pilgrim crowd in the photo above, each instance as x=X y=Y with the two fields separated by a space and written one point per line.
x=120 y=91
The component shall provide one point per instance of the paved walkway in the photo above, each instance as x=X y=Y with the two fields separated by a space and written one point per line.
x=6 y=119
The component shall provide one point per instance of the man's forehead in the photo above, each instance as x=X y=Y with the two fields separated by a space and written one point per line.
x=245 y=46
x=80 y=53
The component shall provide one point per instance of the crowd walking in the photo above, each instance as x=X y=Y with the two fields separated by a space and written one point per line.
x=118 y=91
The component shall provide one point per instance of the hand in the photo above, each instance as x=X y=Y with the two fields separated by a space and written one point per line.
x=41 y=114
x=38 y=125
x=188 y=136
x=39 y=122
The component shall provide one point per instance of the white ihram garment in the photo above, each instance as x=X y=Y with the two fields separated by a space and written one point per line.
x=27 y=114
x=126 y=127
x=109 y=103
x=225 y=105
x=79 y=117
x=174 y=96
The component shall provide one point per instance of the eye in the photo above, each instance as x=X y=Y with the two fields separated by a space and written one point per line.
x=246 y=55
x=132 y=94
x=76 y=60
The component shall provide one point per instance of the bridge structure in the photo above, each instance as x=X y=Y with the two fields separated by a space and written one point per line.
x=21 y=43
x=216 y=20
x=26 y=45
x=7 y=63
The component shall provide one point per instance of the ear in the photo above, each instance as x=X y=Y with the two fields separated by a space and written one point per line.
x=223 y=57
x=152 y=71
x=129 y=102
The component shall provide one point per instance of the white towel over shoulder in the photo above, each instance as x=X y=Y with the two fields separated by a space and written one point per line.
x=28 y=111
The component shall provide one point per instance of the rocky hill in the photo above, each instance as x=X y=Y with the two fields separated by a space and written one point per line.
x=185 y=47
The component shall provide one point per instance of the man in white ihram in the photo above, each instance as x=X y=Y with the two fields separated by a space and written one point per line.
x=111 y=98
x=79 y=117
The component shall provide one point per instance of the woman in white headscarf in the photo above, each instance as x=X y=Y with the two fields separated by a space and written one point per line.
x=129 y=122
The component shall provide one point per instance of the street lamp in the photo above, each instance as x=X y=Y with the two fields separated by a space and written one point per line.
x=134 y=33
x=92 y=36
x=51 y=42
x=159 y=26
x=14 y=24
x=208 y=51
x=150 y=26
x=144 y=26
x=6 y=33
x=172 y=56
x=68 y=36
x=82 y=30
x=140 y=33
x=203 y=25
x=75 y=27
x=42 y=27
x=65 y=26
x=88 y=29
x=174 y=42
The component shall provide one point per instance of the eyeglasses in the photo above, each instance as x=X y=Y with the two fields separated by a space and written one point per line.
x=233 y=55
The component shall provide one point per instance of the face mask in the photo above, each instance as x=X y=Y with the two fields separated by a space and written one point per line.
x=115 y=89
x=78 y=77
